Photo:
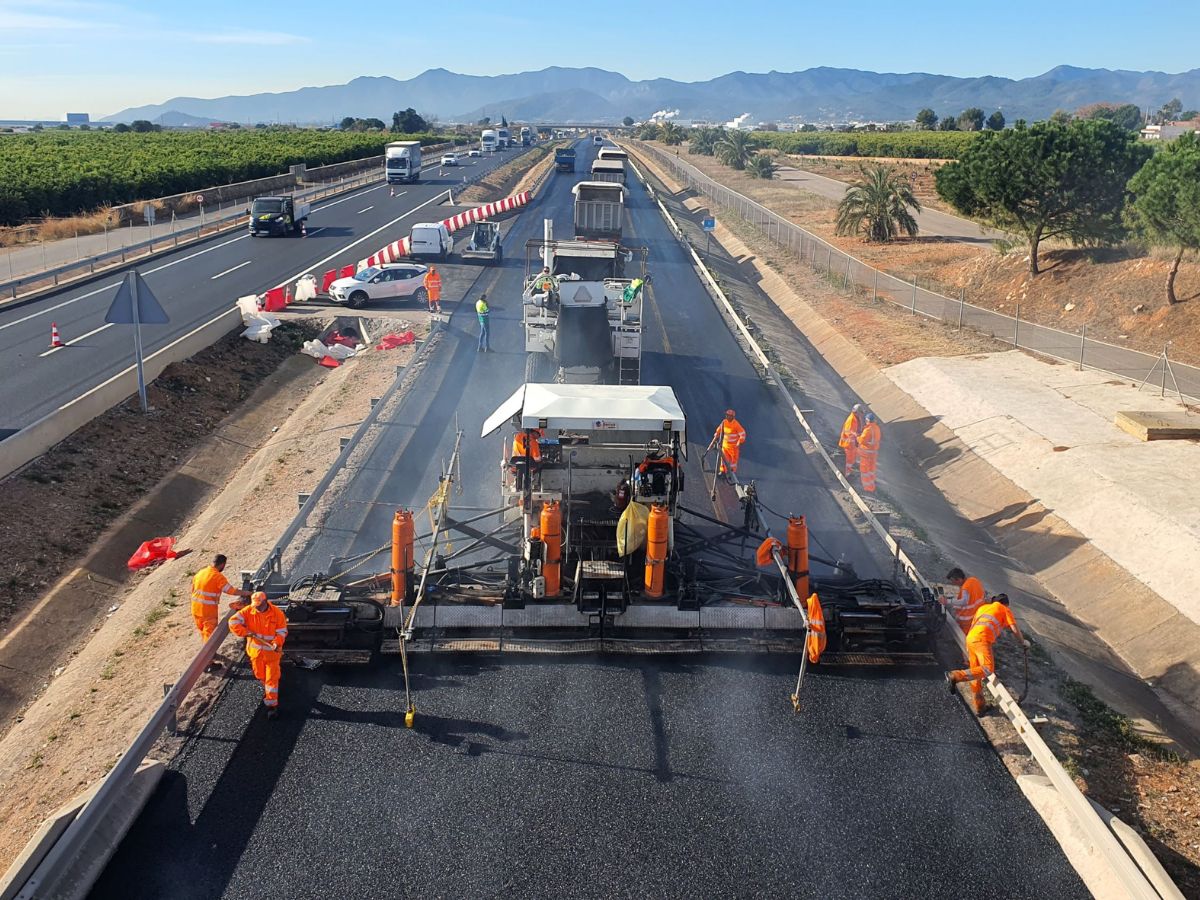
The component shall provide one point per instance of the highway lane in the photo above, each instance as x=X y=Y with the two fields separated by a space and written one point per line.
x=589 y=776
x=195 y=284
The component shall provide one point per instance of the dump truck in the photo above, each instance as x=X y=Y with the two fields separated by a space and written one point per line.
x=582 y=319
x=277 y=215
x=564 y=159
x=526 y=136
x=484 y=243
x=599 y=210
x=608 y=170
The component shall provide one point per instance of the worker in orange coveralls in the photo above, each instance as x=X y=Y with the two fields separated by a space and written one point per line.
x=264 y=626
x=207 y=587
x=731 y=436
x=868 y=452
x=970 y=598
x=848 y=440
x=433 y=289
x=989 y=623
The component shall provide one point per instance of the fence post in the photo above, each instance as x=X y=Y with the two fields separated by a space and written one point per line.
x=849 y=261
x=962 y=300
x=829 y=262
x=1082 y=341
x=914 y=302
x=1017 y=325
x=875 y=287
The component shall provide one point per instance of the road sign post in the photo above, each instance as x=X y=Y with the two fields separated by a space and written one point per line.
x=200 y=203
x=134 y=305
x=709 y=225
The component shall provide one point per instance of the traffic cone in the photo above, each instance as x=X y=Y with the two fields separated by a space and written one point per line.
x=55 y=339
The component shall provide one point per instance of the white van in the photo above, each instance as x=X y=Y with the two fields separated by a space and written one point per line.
x=430 y=239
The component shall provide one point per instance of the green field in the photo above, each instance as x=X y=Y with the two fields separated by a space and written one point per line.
x=66 y=173
x=904 y=144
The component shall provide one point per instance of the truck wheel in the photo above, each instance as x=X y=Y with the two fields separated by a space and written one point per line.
x=540 y=368
x=357 y=299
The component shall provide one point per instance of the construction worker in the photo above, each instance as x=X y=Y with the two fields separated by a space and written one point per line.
x=868 y=452
x=524 y=464
x=207 y=587
x=483 y=311
x=433 y=289
x=732 y=435
x=970 y=597
x=654 y=472
x=545 y=283
x=848 y=440
x=264 y=626
x=989 y=623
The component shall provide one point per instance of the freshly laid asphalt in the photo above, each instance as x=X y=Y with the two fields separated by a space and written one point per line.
x=587 y=776
x=194 y=284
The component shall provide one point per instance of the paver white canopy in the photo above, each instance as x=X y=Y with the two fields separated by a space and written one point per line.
x=591 y=407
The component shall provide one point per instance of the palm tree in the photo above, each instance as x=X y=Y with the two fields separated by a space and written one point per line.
x=703 y=141
x=735 y=149
x=670 y=134
x=761 y=166
x=878 y=204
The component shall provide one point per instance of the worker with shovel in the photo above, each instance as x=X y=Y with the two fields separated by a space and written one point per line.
x=988 y=624
x=731 y=435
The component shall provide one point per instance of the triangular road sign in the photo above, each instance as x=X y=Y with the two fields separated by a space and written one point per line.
x=149 y=310
x=583 y=295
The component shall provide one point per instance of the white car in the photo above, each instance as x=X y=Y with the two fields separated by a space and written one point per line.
x=389 y=281
x=449 y=159
x=474 y=152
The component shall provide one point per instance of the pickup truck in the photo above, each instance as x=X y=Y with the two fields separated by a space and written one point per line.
x=277 y=215
x=564 y=159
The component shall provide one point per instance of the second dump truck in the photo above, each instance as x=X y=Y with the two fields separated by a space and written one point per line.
x=564 y=159
x=599 y=210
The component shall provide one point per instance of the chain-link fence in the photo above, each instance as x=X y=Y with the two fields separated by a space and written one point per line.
x=855 y=275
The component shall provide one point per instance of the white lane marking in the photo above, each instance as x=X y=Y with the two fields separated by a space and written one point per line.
x=74 y=341
x=234 y=269
x=401 y=194
x=368 y=209
x=42 y=312
x=184 y=259
x=311 y=231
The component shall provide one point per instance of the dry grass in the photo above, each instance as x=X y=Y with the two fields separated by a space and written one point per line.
x=58 y=229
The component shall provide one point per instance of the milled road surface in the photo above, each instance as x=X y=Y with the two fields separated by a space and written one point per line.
x=587 y=776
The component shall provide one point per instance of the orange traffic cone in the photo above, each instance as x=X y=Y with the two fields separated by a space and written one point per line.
x=55 y=339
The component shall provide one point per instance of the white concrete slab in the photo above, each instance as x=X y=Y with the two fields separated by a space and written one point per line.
x=1050 y=429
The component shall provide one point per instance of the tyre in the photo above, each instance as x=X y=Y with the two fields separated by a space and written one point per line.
x=540 y=368
x=421 y=296
x=357 y=300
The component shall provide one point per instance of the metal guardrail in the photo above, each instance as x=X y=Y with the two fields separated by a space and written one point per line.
x=822 y=257
x=1131 y=877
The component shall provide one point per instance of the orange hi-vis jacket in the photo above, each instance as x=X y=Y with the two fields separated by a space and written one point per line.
x=207 y=586
x=518 y=446
x=264 y=631
x=869 y=440
x=433 y=285
x=966 y=604
x=990 y=620
x=731 y=433
x=850 y=430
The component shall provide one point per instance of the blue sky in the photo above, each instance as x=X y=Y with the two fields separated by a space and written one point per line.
x=77 y=55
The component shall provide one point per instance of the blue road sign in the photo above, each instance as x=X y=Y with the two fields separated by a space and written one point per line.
x=709 y=224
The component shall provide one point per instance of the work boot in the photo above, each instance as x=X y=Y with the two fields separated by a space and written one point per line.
x=980 y=704
x=214 y=666
x=272 y=713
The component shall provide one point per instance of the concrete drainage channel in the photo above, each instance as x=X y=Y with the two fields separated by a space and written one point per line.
x=1093 y=833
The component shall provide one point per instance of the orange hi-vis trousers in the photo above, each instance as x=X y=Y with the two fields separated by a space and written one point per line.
x=266 y=666
x=980 y=664
x=206 y=625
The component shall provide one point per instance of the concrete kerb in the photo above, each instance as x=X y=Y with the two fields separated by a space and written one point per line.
x=1133 y=882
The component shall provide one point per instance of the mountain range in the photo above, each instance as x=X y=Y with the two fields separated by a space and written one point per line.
x=590 y=95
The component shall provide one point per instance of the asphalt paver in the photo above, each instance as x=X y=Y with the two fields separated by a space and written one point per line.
x=592 y=775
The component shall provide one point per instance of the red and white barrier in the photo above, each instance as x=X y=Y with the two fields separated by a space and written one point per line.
x=399 y=249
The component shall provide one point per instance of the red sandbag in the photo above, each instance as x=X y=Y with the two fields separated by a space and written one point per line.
x=392 y=341
x=339 y=338
x=151 y=552
x=328 y=362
